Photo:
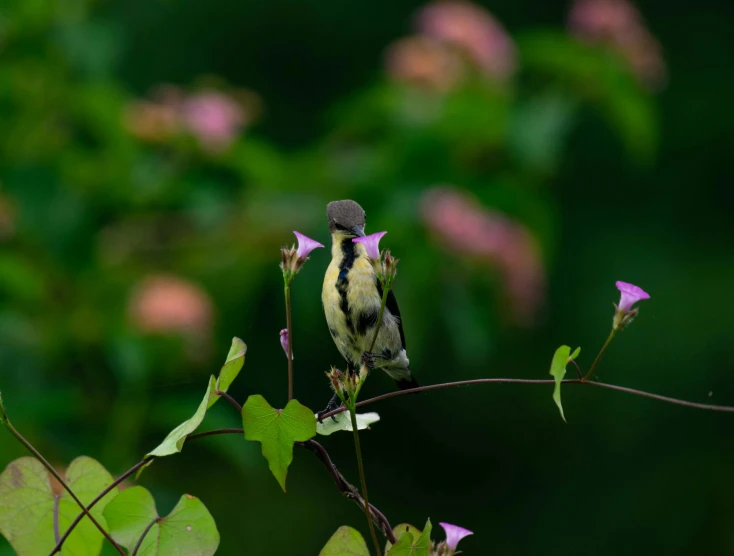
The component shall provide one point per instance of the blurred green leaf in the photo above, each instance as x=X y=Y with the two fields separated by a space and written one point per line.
x=558 y=371
x=345 y=542
x=27 y=507
x=600 y=76
x=189 y=530
x=575 y=354
x=343 y=422
x=174 y=442
x=277 y=430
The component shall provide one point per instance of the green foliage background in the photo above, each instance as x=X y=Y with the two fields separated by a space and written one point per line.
x=614 y=184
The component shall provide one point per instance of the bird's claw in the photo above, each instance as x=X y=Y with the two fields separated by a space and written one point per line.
x=333 y=404
x=369 y=359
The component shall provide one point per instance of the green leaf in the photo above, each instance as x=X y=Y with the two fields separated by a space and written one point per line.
x=28 y=507
x=575 y=354
x=343 y=422
x=558 y=371
x=277 y=430
x=173 y=443
x=413 y=542
x=231 y=368
x=189 y=530
x=401 y=529
x=345 y=542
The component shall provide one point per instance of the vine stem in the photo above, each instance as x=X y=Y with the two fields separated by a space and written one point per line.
x=287 y=292
x=600 y=354
x=379 y=317
x=60 y=479
x=633 y=391
x=99 y=497
x=358 y=449
x=142 y=537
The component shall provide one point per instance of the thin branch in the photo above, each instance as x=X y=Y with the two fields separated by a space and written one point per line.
x=230 y=399
x=348 y=489
x=362 y=478
x=99 y=497
x=142 y=537
x=60 y=479
x=632 y=391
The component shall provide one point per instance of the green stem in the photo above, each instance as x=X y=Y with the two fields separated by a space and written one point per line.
x=355 y=430
x=287 y=291
x=60 y=479
x=600 y=354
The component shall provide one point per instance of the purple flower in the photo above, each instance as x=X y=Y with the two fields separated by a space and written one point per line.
x=631 y=294
x=454 y=534
x=284 y=341
x=305 y=245
x=371 y=244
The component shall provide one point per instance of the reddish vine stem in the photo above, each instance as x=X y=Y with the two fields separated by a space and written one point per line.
x=230 y=399
x=349 y=490
x=61 y=480
x=633 y=391
x=142 y=537
x=99 y=497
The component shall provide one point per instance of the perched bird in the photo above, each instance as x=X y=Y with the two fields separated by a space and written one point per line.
x=352 y=295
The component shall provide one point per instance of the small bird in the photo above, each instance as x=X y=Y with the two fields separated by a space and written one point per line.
x=352 y=295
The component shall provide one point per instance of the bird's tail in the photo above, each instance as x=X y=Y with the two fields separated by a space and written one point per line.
x=407 y=383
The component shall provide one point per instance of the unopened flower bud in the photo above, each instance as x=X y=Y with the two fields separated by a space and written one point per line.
x=284 y=341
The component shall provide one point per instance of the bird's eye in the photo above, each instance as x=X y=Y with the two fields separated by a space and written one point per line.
x=339 y=226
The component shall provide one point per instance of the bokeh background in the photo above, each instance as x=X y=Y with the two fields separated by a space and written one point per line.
x=523 y=155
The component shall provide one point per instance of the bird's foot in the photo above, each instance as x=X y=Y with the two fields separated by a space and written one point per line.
x=334 y=403
x=369 y=359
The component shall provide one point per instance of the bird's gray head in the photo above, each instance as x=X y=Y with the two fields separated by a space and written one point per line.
x=346 y=217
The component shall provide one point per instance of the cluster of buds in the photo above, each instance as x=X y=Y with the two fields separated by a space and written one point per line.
x=292 y=258
x=342 y=383
x=625 y=312
x=384 y=263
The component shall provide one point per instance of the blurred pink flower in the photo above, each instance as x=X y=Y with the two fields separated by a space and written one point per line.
x=371 y=244
x=170 y=305
x=151 y=121
x=618 y=24
x=424 y=62
x=473 y=30
x=7 y=217
x=465 y=227
x=213 y=118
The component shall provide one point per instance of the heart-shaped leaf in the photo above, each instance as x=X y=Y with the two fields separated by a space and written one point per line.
x=277 y=430
x=32 y=517
x=345 y=542
x=189 y=530
x=413 y=542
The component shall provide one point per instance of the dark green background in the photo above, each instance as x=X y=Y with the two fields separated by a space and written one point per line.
x=626 y=474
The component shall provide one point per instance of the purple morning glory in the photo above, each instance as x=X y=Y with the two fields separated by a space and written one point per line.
x=631 y=294
x=454 y=534
x=371 y=244
x=305 y=245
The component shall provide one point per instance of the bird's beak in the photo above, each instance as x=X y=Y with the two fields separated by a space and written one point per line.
x=358 y=231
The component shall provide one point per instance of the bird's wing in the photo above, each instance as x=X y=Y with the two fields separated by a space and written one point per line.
x=392 y=305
